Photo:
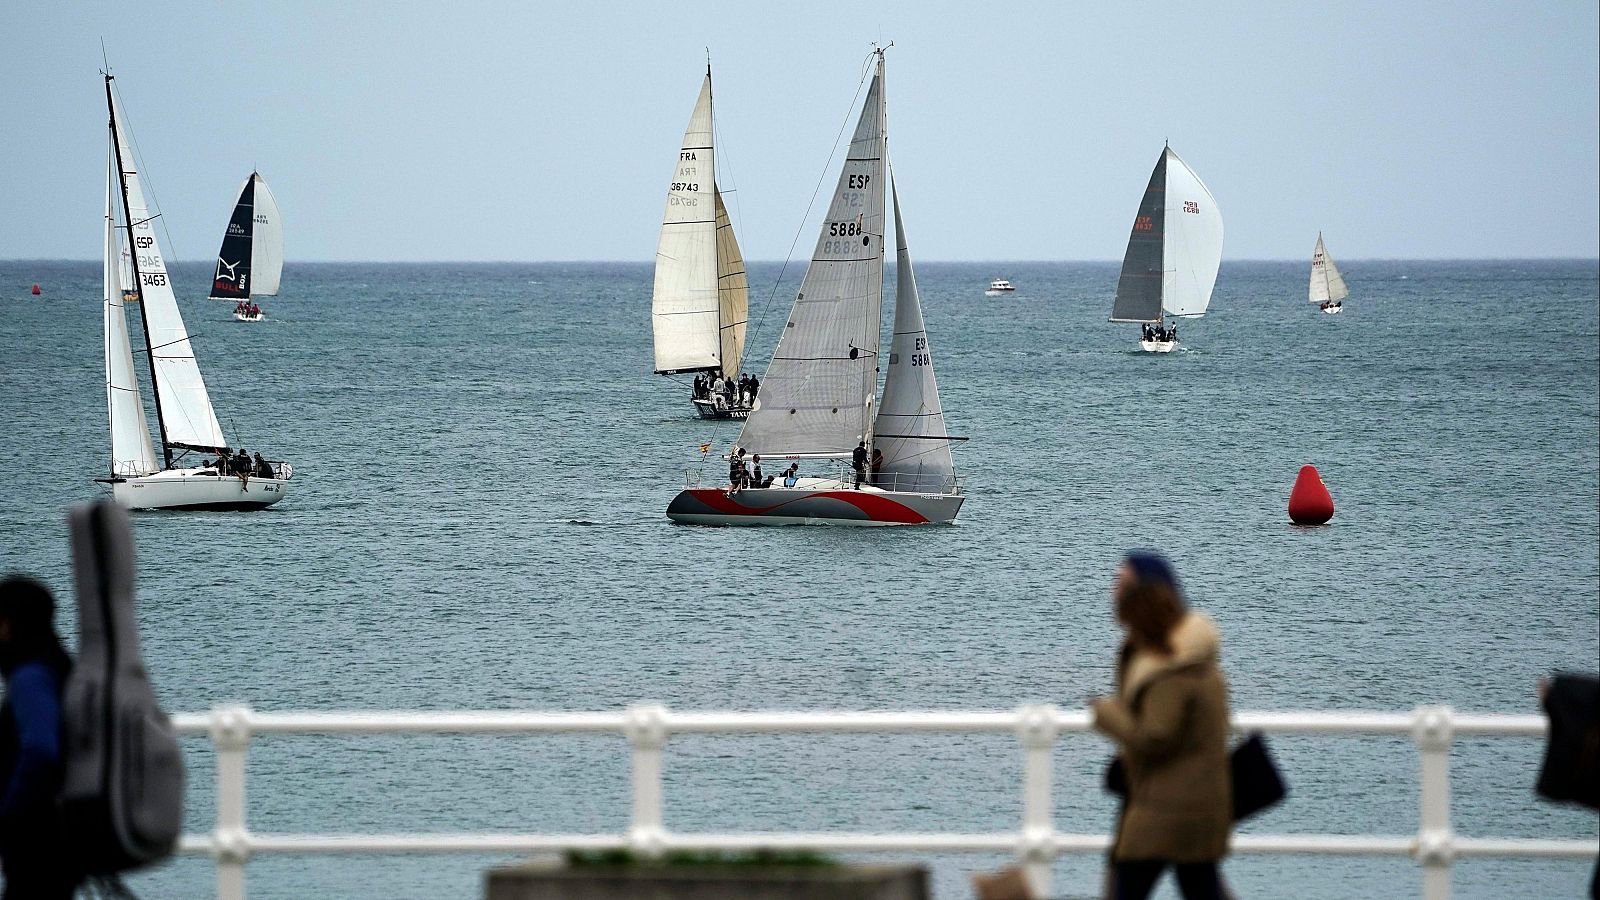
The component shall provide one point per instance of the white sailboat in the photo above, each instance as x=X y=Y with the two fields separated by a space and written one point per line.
x=1328 y=289
x=817 y=402
x=700 y=302
x=250 y=262
x=185 y=419
x=1173 y=254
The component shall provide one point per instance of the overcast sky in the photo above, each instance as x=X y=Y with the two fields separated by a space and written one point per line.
x=535 y=131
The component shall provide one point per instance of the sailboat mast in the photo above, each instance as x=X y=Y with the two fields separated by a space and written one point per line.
x=138 y=281
x=716 y=245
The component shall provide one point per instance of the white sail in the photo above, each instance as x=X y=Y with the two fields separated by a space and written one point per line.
x=910 y=428
x=187 y=419
x=266 y=243
x=817 y=397
x=132 y=453
x=685 y=306
x=1192 y=249
x=1327 y=285
x=733 y=292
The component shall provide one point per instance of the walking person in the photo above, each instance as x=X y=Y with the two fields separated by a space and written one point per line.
x=34 y=850
x=1169 y=718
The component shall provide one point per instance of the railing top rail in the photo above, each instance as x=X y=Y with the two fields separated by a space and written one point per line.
x=777 y=722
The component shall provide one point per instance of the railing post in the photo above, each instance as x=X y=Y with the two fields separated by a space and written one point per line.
x=646 y=729
x=1433 y=731
x=1037 y=729
x=230 y=841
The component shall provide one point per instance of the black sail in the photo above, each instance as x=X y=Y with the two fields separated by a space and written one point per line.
x=232 y=278
x=1139 y=287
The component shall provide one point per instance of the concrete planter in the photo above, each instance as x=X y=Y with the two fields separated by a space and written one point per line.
x=553 y=881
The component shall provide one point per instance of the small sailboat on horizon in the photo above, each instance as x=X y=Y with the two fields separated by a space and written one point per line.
x=699 y=306
x=1173 y=254
x=250 y=261
x=818 y=399
x=1328 y=289
x=185 y=419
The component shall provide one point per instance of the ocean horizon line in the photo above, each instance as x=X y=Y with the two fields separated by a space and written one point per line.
x=779 y=262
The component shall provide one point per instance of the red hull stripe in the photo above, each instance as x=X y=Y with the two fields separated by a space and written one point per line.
x=877 y=507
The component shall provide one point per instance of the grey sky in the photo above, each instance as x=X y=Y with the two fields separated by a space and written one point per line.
x=527 y=131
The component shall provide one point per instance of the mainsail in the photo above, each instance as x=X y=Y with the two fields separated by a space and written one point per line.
x=816 y=399
x=231 y=281
x=686 y=305
x=1174 y=250
x=132 y=453
x=1327 y=285
x=182 y=404
x=1139 y=286
x=910 y=428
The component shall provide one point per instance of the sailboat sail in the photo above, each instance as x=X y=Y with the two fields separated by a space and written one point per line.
x=1327 y=285
x=1139 y=285
x=231 y=281
x=733 y=292
x=1192 y=246
x=266 y=246
x=910 y=428
x=686 y=303
x=132 y=453
x=816 y=399
x=187 y=419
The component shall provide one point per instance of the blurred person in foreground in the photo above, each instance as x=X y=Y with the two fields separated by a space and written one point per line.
x=33 y=852
x=1169 y=718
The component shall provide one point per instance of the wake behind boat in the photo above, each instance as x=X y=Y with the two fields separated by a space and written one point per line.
x=185 y=418
x=1328 y=289
x=700 y=301
x=1173 y=254
x=817 y=400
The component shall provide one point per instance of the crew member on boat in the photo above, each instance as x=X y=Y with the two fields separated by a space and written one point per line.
x=737 y=474
x=858 y=461
x=263 y=468
x=755 y=477
x=791 y=475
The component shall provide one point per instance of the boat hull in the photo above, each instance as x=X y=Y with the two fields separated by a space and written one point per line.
x=189 y=489
x=1157 y=346
x=709 y=410
x=812 y=506
x=1333 y=310
x=244 y=318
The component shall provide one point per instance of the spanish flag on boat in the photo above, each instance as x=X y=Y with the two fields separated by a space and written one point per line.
x=705 y=448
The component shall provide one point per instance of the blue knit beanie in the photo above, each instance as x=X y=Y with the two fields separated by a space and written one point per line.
x=1152 y=566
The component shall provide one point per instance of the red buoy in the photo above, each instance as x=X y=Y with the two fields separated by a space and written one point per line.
x=36 y=290
x=1309 y=502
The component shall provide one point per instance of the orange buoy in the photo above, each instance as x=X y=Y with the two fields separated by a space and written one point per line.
x=36 y=290
x=1309 y=502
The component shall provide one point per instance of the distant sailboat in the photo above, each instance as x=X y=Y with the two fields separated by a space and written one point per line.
x=1173 y=254
x=699 y=307
x=185 y=419
x=817 y=400
x=1328 y=289
x=250 y=262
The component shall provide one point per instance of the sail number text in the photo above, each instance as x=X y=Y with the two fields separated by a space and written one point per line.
x=921 y=356
x=156 y=278
x=1144 y=223
x=143 y=241
x=1189 y=206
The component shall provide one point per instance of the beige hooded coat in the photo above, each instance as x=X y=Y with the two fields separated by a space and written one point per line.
x=1170 y=721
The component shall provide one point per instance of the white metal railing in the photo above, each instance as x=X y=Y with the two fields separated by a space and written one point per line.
x=1435 y=846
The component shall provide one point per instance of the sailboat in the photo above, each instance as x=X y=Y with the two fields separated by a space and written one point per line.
x=250 y=262
x=1173 y=254
x=1328 y=289
x=817 y=402
x=700 y=303
x=185 y=419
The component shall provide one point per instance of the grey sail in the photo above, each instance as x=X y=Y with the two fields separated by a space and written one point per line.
x=817 y=396
x=910 y=428
x=1139 y=286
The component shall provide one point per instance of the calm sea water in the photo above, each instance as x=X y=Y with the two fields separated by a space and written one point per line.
x=483 y=459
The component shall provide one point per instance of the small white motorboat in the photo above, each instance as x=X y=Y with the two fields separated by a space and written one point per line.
x=999 y=286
